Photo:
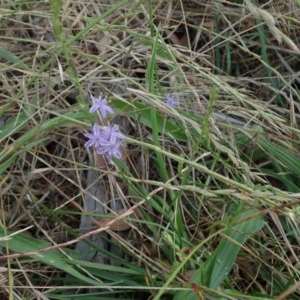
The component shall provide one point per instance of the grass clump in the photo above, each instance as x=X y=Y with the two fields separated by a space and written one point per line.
x=189 y=187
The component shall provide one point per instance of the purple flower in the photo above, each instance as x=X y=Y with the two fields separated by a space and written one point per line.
x=100 y=104
x=110 y=150
x=171 y=101
x=112 y=134
x=106 y=141
x=93 y=137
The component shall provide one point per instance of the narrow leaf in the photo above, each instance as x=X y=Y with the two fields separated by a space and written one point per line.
x=22 y=243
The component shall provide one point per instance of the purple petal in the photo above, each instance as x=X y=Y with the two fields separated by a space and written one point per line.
x=96 y=130
x=171 y=101
x=107 y=141
x=100 y=104
x=100 y=149
x=117 y=154
x=88 y=135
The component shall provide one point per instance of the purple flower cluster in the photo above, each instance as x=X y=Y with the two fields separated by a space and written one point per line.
x=171 y=101
x=107 y=140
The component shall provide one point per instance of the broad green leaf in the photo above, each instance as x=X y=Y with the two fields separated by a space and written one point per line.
x=142 y=113
x=220 y=263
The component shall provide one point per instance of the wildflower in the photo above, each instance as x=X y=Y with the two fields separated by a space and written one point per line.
x=171 y=101
x=106 y=142
x=100 y=104
x=93 y=137
x=110 y=150
x=112 y=134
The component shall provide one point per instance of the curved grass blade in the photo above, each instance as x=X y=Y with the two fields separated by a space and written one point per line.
x=24 y=243
x=220 y=263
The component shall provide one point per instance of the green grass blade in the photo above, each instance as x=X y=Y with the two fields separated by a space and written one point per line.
x=31 y=136
x=221 y=261
x=22 y=243
x=17 y=63
x=281 y=156
x=217 y=267
x=141 y=112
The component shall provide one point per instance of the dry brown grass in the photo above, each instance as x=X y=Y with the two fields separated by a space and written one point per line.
x=206 y=44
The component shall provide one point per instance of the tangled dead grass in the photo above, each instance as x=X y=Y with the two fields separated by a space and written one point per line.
x=250 y=51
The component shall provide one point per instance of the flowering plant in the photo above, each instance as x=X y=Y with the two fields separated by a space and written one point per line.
x=171 y=101
x=107 y=140
x=100 y=105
